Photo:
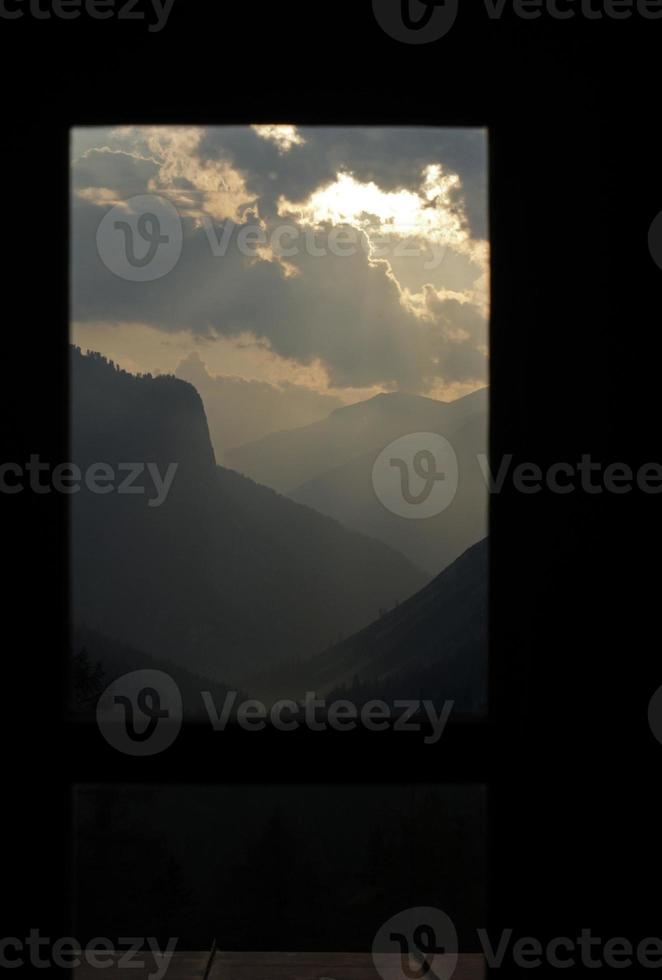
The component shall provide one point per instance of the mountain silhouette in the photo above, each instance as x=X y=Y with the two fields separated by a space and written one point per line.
x=225 y=577
x=333 y=460
x=104 y=660
x=286 y=460
x=432 y=646
x=347 y=494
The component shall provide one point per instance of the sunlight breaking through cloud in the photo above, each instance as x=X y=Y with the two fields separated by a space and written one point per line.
x=285 y=137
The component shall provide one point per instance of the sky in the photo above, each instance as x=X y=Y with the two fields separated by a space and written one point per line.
x=318 y=266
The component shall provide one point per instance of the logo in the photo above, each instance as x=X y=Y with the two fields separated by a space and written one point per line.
x=416 y=476
x=140 y=239
x=415 y=21
x=655 y=240
x=140 y=713
x=414 y=944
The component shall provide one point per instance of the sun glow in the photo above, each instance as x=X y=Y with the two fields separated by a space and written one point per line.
x=430 y=213
x=285 y=137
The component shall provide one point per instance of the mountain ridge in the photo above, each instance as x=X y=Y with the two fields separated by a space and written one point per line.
x=431 y=646
x=290 y=457
x=224 y=577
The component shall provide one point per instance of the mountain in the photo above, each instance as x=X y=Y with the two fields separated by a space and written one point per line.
x=99 y=660
x=432 y=646
x=347 y=494
x=240 y=411
x=333 y=461
x=285 y=460
x=223 y=577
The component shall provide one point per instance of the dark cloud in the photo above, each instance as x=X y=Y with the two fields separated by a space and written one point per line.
x=114 y=169
x=451 y=315
x=392 y=158
x=344 y=310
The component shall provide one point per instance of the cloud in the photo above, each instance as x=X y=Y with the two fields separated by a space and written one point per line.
x=240 y=410
x=285 y=137
x=427 y=212
x=125 y=173
x=372 y=318
x=195 y=186
x=393 y=158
